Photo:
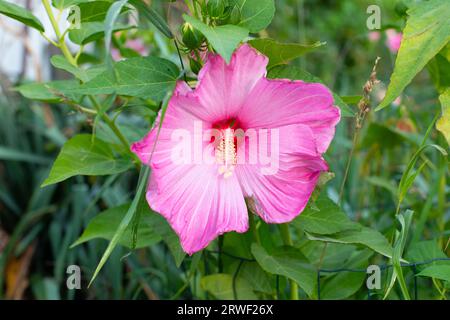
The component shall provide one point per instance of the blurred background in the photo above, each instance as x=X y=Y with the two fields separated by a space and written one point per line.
x=38 y=225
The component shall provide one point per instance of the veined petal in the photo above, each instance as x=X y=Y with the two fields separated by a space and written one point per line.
x=223 y=88
x=199 y=204
x=280 y=197
x=184 y=112
x=277 y=103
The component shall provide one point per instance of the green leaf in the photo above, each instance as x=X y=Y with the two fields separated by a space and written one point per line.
x=91 y=31
x=221 y=286
x=49 y=92
x=426 y=251
x=288 y=262
x=437 y=272
x=366 y=237
x=256 y=277
x=324 y=217
x=145 y=77
x=439 y=68
x=94 y=10
x=335 y=254
x=295 y=73
x=224 y=39
x=346 y=283
x=63 y=4
x=60 y=62
x=110 y=21
x=443 y=124
x=399 y=246
x=82 y=155
x=20 y=14
x=105 y=224
x=281 y=53
x=125 y=222
x=255 y=14
x=426 y=32
x=170 y=238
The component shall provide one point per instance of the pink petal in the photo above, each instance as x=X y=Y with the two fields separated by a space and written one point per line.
x=280 y=197
x=223 y=88
x=183 y=111
x=198 y=204
x=277 y=103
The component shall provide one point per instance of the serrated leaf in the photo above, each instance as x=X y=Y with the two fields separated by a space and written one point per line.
x=255 y=14
x=288 y=262
x=83 y=155
x=144 y=77
x=105 y=224
x=426 y=251
x=295 y=73
x=348 y=282
x=426 y=32
x=281 y=53
x=20 y=14
x=324 y=217
x=224 y=39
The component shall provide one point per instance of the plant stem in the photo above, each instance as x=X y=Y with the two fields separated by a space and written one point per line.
x=60 y=40
x=286 y=236
x=65 y=50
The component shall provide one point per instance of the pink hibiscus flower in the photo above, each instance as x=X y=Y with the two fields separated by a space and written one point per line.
x=203 y=199
x=393 y=41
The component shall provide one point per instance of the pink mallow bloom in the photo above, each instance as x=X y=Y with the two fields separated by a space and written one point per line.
x=393 y=41
x=204 y=199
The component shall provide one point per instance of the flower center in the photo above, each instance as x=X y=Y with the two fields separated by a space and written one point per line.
x=225 y=151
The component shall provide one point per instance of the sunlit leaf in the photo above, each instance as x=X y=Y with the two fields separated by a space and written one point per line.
x=426 y=32
x=255 y=14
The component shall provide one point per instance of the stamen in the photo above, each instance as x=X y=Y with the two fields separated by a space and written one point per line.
x=226 y=153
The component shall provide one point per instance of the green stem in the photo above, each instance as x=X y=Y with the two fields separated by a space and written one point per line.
x=65 y=50
x=114 y=128
x=287 y=240
x=60 y=40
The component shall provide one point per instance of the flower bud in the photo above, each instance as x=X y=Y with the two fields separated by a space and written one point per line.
x=192 y=38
